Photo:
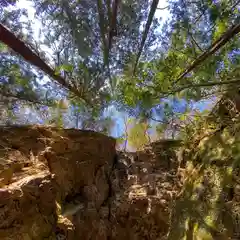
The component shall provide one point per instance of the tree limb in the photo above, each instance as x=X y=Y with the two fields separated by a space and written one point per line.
x=226 y=37
x=113 y=23
x=8 y=38
x=188 y=86
x=207 y=84
x=195 y=42
x=163 y=8
x=102 y=31
x=22 y=98
x=146 y=30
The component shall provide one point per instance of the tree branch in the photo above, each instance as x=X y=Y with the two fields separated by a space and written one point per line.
x=146 y=30
x=188 y=86
x=226 y=37
x=207 y=84
x=194 y=41
x=22 y=49
x=163 y=8
x=102 y=31
x=113 y=23
x=22 y=98
x=158 y=120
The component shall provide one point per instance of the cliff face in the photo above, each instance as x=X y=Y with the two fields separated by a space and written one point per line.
x=70 y=184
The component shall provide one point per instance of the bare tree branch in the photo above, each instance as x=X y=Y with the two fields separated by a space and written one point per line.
x=113 y=23
x=163 y=8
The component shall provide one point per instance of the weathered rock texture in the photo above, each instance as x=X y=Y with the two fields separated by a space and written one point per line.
x=70 y=184
x=44 y=168
x=144 y=194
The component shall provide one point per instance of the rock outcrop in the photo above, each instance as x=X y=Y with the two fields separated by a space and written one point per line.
x=45 y=169
x=71 y=184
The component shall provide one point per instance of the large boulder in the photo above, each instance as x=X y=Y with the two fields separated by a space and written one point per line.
x=71 y=184
x=28 y=209
x=43 y=170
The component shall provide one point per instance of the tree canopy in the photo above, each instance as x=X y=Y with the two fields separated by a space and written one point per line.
x=109 y=53
x=118 y=68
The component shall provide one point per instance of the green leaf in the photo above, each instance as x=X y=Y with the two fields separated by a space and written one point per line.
x=67 y=67
x=221 y=27
x=214 y=13
x=3 y=47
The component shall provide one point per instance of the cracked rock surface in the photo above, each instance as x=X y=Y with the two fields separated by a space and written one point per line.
x=72 y=184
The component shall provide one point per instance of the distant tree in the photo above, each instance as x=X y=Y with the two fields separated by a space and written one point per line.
x=138 y=135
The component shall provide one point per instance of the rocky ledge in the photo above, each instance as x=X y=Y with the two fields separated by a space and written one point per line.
x=71 y=184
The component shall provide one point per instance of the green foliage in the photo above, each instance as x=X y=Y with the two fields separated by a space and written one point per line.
x=137 y=134
x=117 y=55
x=96 y=48
x=193 y=28
x=64 y=67
x=212 y=155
